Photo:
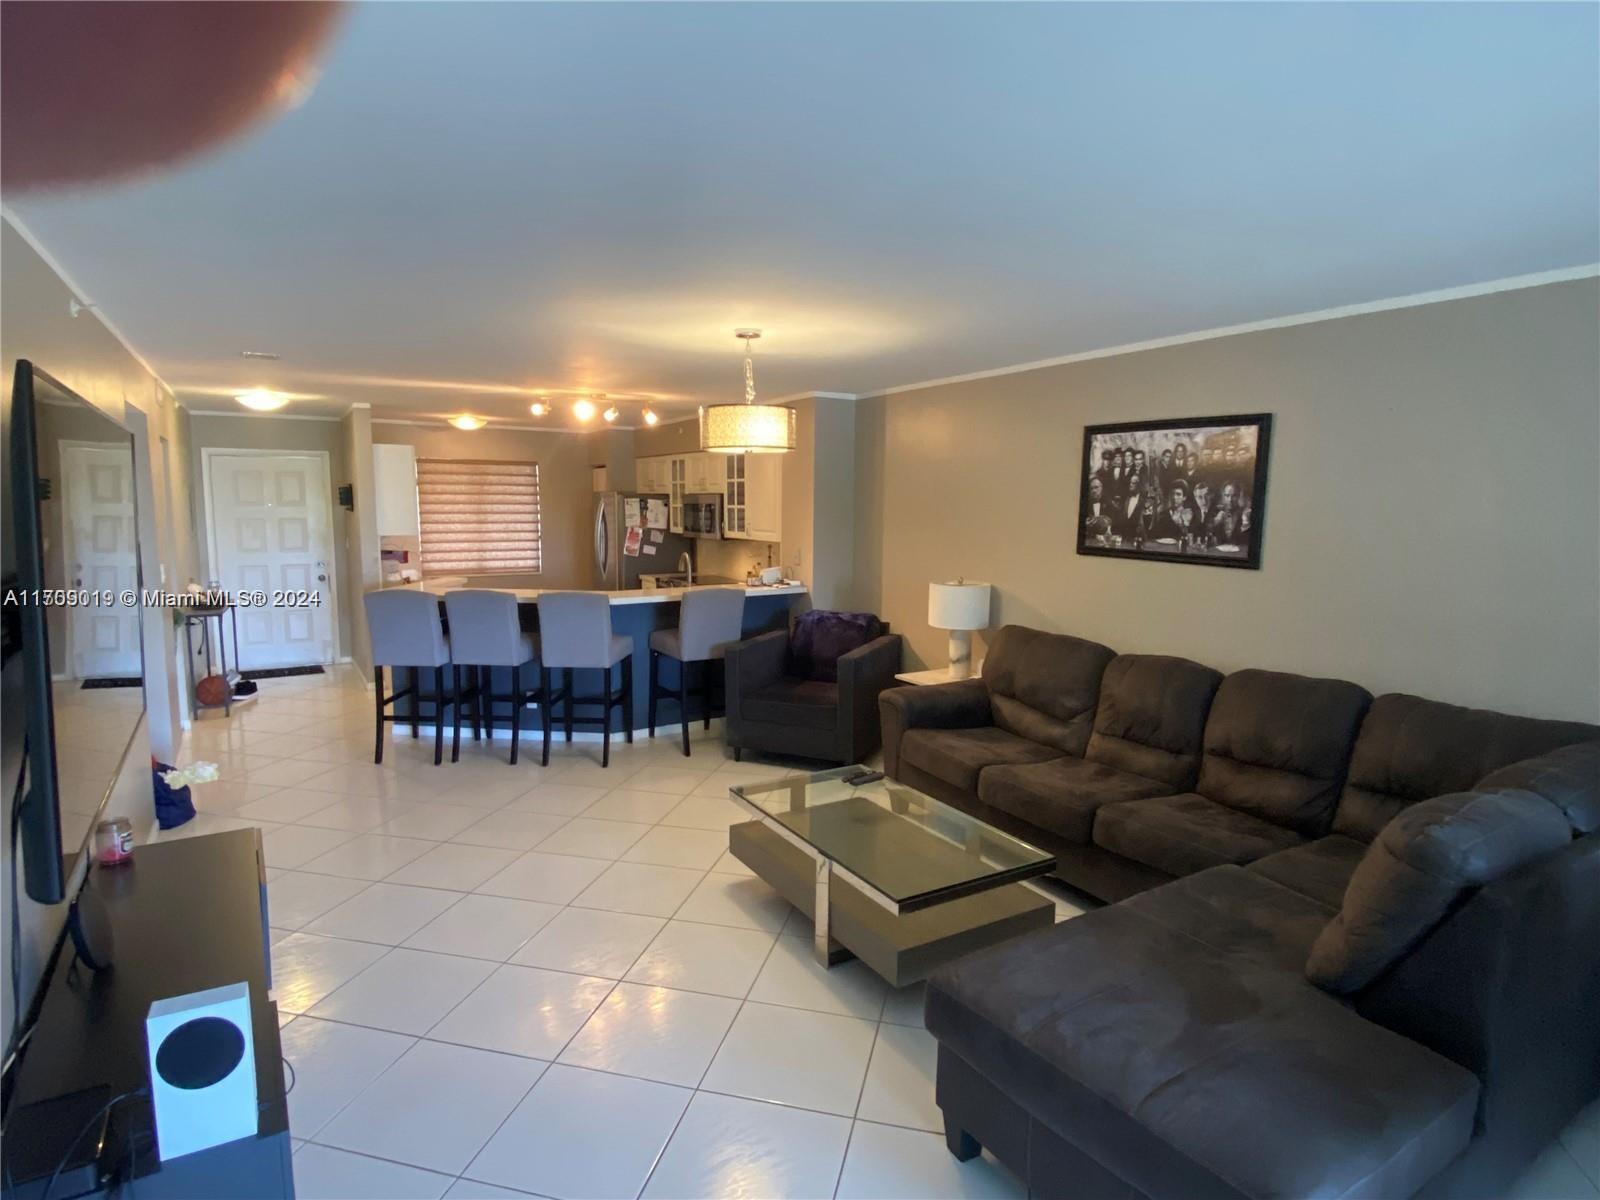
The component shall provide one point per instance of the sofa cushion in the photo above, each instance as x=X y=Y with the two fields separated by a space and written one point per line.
x=1184 y=834
x=1410 y=749
x=1063 y=795
x=1569 y=778
x=1193 y=1066
x=1152 y=716
x=1276 y=746
x=1430 y=855
x=1044 y=686
x=805 y=702
x=957 y=755
x=1319 y=870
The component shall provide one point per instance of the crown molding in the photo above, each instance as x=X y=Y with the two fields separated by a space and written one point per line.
x=1510 y=284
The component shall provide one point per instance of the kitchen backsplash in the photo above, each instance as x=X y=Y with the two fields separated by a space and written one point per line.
x=731 y=558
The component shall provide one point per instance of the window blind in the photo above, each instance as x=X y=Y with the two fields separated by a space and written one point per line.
x=478 y=516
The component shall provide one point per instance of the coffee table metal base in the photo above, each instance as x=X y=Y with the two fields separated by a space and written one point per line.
x=847 y=923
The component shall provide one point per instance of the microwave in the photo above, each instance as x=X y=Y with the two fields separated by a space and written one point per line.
x=702 y=516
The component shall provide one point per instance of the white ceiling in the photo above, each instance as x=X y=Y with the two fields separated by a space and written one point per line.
x=482 y=201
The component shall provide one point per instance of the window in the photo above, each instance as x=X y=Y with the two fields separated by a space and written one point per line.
x=478 y=516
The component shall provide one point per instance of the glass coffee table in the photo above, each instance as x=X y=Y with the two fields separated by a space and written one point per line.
x=888 y=874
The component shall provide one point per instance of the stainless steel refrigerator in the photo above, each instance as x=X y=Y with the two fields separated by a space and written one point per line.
x=615 y=571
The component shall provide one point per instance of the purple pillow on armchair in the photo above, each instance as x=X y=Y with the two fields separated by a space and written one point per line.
x=820 y=637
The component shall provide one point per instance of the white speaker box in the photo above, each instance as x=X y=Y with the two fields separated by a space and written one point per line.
x=202 y=1069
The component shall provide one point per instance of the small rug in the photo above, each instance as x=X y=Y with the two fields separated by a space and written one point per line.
x=281 y=672
x=111 y=681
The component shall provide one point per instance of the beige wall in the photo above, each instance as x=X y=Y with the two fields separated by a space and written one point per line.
x=680 y=437
x=275 y=431
x=1432 y=518
x=362 y=546
x=565 y=489
x=36 y=324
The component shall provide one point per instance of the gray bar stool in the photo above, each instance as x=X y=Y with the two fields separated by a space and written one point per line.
x=709 y=620
x=407 y=635
x=485 y=633
x=575 y=635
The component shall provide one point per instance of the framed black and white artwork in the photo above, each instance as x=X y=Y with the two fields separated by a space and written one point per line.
x=1190 y=490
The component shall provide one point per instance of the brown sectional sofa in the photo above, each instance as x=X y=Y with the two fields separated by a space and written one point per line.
x=1354 y=948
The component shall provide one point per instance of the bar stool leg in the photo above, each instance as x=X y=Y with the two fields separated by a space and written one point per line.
x=605 y=719
x=627 y=699
x=683 y=704
x=566 y=686
x=655 y=686
x=455 y=735
x=705 y=690
x=416 y=701
x=544 y=713
x=516 y=711
x=438 y=715
x=377 y=680
x=478 y=679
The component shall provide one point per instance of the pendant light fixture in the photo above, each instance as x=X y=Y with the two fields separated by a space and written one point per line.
x=747 y=428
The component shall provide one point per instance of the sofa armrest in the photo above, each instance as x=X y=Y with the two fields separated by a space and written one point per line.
x=754 y=663
x=962 y=705
x=863 y=673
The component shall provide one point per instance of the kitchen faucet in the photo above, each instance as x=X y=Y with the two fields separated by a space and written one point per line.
x=686 y=565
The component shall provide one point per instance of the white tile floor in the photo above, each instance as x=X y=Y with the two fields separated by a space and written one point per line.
x=509 y=981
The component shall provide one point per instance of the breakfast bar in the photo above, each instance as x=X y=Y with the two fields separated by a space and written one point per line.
x=636 y=614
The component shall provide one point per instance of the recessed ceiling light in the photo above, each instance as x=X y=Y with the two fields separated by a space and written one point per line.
x=538 y=408
x=584 y=410
x=611 y=414
x=468 y=422
x=650 y=417
x=261 y=399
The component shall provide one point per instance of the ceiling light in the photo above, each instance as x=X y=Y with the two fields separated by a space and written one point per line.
x=650 y=417
x=468 y=422
x=610 y=414
x=538 y=408
x=584 y=410
x=261 y=399
x=747 y=428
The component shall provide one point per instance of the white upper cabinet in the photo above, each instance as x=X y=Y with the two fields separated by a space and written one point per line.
x=394 y=474
x=707 y=473
x=752 y=497
x=652 y=475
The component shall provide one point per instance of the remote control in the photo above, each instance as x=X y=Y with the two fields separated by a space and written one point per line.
x=861 y=779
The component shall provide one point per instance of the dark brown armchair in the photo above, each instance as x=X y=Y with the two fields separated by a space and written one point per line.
x=773 y=707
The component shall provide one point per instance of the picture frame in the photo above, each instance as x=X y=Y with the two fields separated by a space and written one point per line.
x=1185 y=490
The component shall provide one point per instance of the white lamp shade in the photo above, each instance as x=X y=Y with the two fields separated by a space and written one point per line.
x=747 y=428
x=958 y=605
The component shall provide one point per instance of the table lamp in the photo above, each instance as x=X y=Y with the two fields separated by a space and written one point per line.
x=960 y=607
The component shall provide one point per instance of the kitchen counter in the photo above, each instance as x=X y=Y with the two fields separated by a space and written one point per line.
x=633 y=596
x=635 y=614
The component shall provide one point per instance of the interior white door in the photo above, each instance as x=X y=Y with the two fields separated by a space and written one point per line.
x=271 y=522
x=101 y=553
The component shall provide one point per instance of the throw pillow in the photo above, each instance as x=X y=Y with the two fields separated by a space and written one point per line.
x=819 y=637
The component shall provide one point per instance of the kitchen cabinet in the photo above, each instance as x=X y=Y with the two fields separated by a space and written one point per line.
x=752 y=497
x=394 y=476
x=677 y=488
x=653 y=477
x=707 y=473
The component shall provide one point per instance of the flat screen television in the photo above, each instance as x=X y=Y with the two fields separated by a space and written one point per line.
x=73 y=657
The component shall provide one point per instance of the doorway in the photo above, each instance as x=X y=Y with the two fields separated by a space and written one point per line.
x=100 y=551
x=269 y=530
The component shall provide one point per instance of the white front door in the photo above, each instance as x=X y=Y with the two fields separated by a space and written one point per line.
x=101 y=554
x=271 y=523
